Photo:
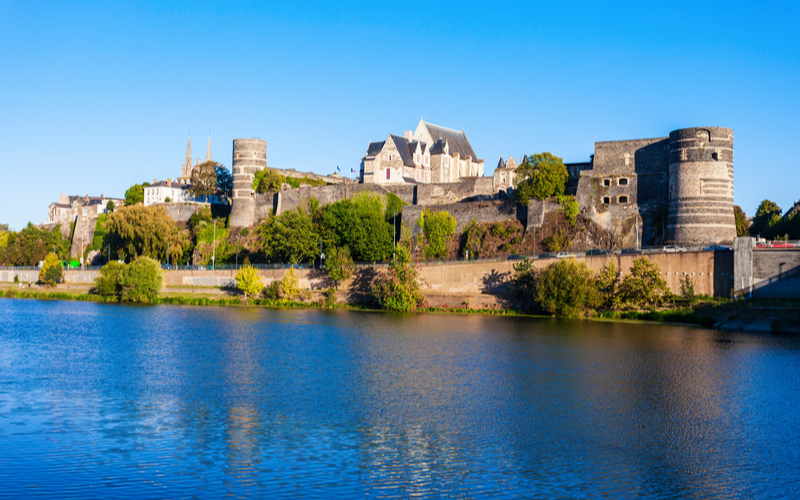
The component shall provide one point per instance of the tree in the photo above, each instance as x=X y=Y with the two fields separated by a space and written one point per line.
x=566 y=288
x=339 y=265
x=267 y=180
x=289 y=288
x=141 y=280
x=110 y=206
x=248 y=282
x=397 y=288
x=289 y=237
x=438 y=227
x=3 y=237
x=608 y=285
x=643 y=287
x=224 y=181
x=687 y=290
x=30 y=245
x=204 y=180
x=51 y=271
x=135 y=194
x=742 y=224
x=108 y=282
x=767 y=215
x=540 y=176
x=359 y=223
x=523 y=282
x=145 y=231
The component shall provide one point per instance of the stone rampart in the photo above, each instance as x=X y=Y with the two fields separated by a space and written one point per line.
x=464 y=213
x=775 y=273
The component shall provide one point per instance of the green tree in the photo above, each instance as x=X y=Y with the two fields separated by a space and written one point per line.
x=687 y=289
x=3 y=237
x=248 y=282
x=608 y=285
x=289 y=287
x=108 y=281
x=289 y=237
x=138 y=230
x=523 y=282
x=51 y=271
x=569 y=207
x=339 y=265
x=742 y=224
x=224 y=181
x=566 y=288
x=110 y=206
x=204 y=180
x=135 y=194
x=438 y=228
x=767 y=216
x=30 y=245
x=397 y=288
x=643 y=287
x=141 y=280
x=540 y=176
x=267 y=180
x=360 y=224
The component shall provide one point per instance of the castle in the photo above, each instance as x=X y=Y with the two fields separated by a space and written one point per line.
x=676 y=189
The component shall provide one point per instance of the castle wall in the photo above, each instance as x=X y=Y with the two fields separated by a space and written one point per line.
x=701 y=186
x=464 y=213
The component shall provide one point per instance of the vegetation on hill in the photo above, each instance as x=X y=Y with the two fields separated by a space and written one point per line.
x=269 y=180
x=135 y=194
x=204 y=180
x=540 y=176
x=438 y=228
x=140 y=231
x=742 y=224
x=30 y=245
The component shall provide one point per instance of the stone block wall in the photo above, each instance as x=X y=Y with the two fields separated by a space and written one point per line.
x=482 y=211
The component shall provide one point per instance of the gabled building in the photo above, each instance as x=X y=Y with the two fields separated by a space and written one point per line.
x=431 y=154
x=505 y=174
x=69 y=208
x=167 y=192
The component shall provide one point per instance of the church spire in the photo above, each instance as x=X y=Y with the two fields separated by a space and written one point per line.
x=208 y=150
x=186 y=171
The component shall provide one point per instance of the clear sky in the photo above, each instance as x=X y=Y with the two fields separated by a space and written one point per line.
x=96 y=96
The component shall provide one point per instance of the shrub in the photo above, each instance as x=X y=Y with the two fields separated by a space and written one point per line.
x=608 y=285
x=339 y=265
x=516 y=240
x=51 y=271
x=557 y=242
x=289 y=288
x=141 y=280
x=248 y=282
x=570 y=208
x=397 y=288
x=473 y=240
x=566 y=289
x=643 y=287
x=540 y=176
x=330 y=296
x=523 y=281
x=272 y=291
x=289 y=237
x=687 y=289
x=438 y=228
x=499 y=230
x=108 y=282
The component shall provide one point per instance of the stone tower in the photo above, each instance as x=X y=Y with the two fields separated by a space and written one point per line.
x=249 y=156
x=700 y=186
x=186 y=169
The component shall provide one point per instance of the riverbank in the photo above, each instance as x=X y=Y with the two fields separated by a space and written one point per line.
x=757 y=315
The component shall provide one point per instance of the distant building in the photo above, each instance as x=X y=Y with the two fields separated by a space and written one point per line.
x=505 y=174
x=68 y=208
x=167 y=192
x=432 y=154
x=187 y=168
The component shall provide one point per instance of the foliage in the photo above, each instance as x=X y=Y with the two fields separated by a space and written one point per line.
x=339 y=265
x=360 y=224
x=99 y=235
x=3 y=236
x=742 y=224
x=687 y=289
x=557 y=242
x=224 y=181
x=141 y=280
x=394 y=205
x=767 y=216
x=267 y=180
x=643 y=287
x=211 y=241
x=289 y=237
x=499 y=230
x=472 y=240
x=330 y=296
x=438 y=228
x=608 y=285
x=566 y=288
x=570 y=208
x=110 y=206
x=140 y=231
x=540 y=176
x=271 y=291
x=167 y=200
x=204 y=180
x=108 y=282
x=397 y=288
x=51 y=271
x=30 y=245
x=135 y=194
x=248 y=282
x=288 y=289
x=523 y=281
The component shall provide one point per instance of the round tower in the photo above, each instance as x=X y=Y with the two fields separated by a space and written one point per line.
x=701 y=186
x=249 y=156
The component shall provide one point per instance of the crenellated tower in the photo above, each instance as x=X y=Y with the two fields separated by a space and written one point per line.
x=249 y=156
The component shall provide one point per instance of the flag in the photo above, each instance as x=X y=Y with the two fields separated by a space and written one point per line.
x=338 y=169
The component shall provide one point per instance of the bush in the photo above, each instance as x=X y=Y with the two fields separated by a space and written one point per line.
x=499 y=230
x=289 y=288
x=248 y=282
x=523 y=281
x=608 y=285
x=438 y=228
x=339 y=265
x=567 y=289
x=643 y=287
x=473 y=240
x=108 y=282
x=272 y=291
x=540 y=176
x=360 y=224
x=330 y=297
x=570 y=208
x=51 y=271
x=687 y=290
x=141 y=280
x=289 y=237
x=397 y=288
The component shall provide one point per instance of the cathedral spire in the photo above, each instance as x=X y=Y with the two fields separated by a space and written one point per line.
x=208 y=150
x=186 y=170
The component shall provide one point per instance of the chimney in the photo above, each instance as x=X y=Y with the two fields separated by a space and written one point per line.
x=155 y=181
x=407 y=134
x=102 y=197
x=86 y=198
x=169 y=182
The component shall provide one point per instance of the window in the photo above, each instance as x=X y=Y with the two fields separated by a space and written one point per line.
x=390 y=157
x=715 y=155
x=388 y=173
x=427 y=160
x=623 y=181
x=606 y=200
x=606 y=182
x=623 y=199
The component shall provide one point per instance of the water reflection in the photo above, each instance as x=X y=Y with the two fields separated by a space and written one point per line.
x=103 y=400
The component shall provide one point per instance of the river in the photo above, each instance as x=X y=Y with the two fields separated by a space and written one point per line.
x=102 y=401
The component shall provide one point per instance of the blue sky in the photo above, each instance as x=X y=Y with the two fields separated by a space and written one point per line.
x=96 y=96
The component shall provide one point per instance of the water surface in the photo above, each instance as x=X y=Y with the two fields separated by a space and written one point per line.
x=100 y=401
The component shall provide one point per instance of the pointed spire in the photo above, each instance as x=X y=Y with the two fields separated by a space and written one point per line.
x=189 y=151
x=208 y=151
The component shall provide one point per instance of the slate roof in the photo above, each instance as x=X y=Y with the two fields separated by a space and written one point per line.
x=438 y=147
x=501 y=163
x=457 y=140
x=375 y=148
x=403 y=148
